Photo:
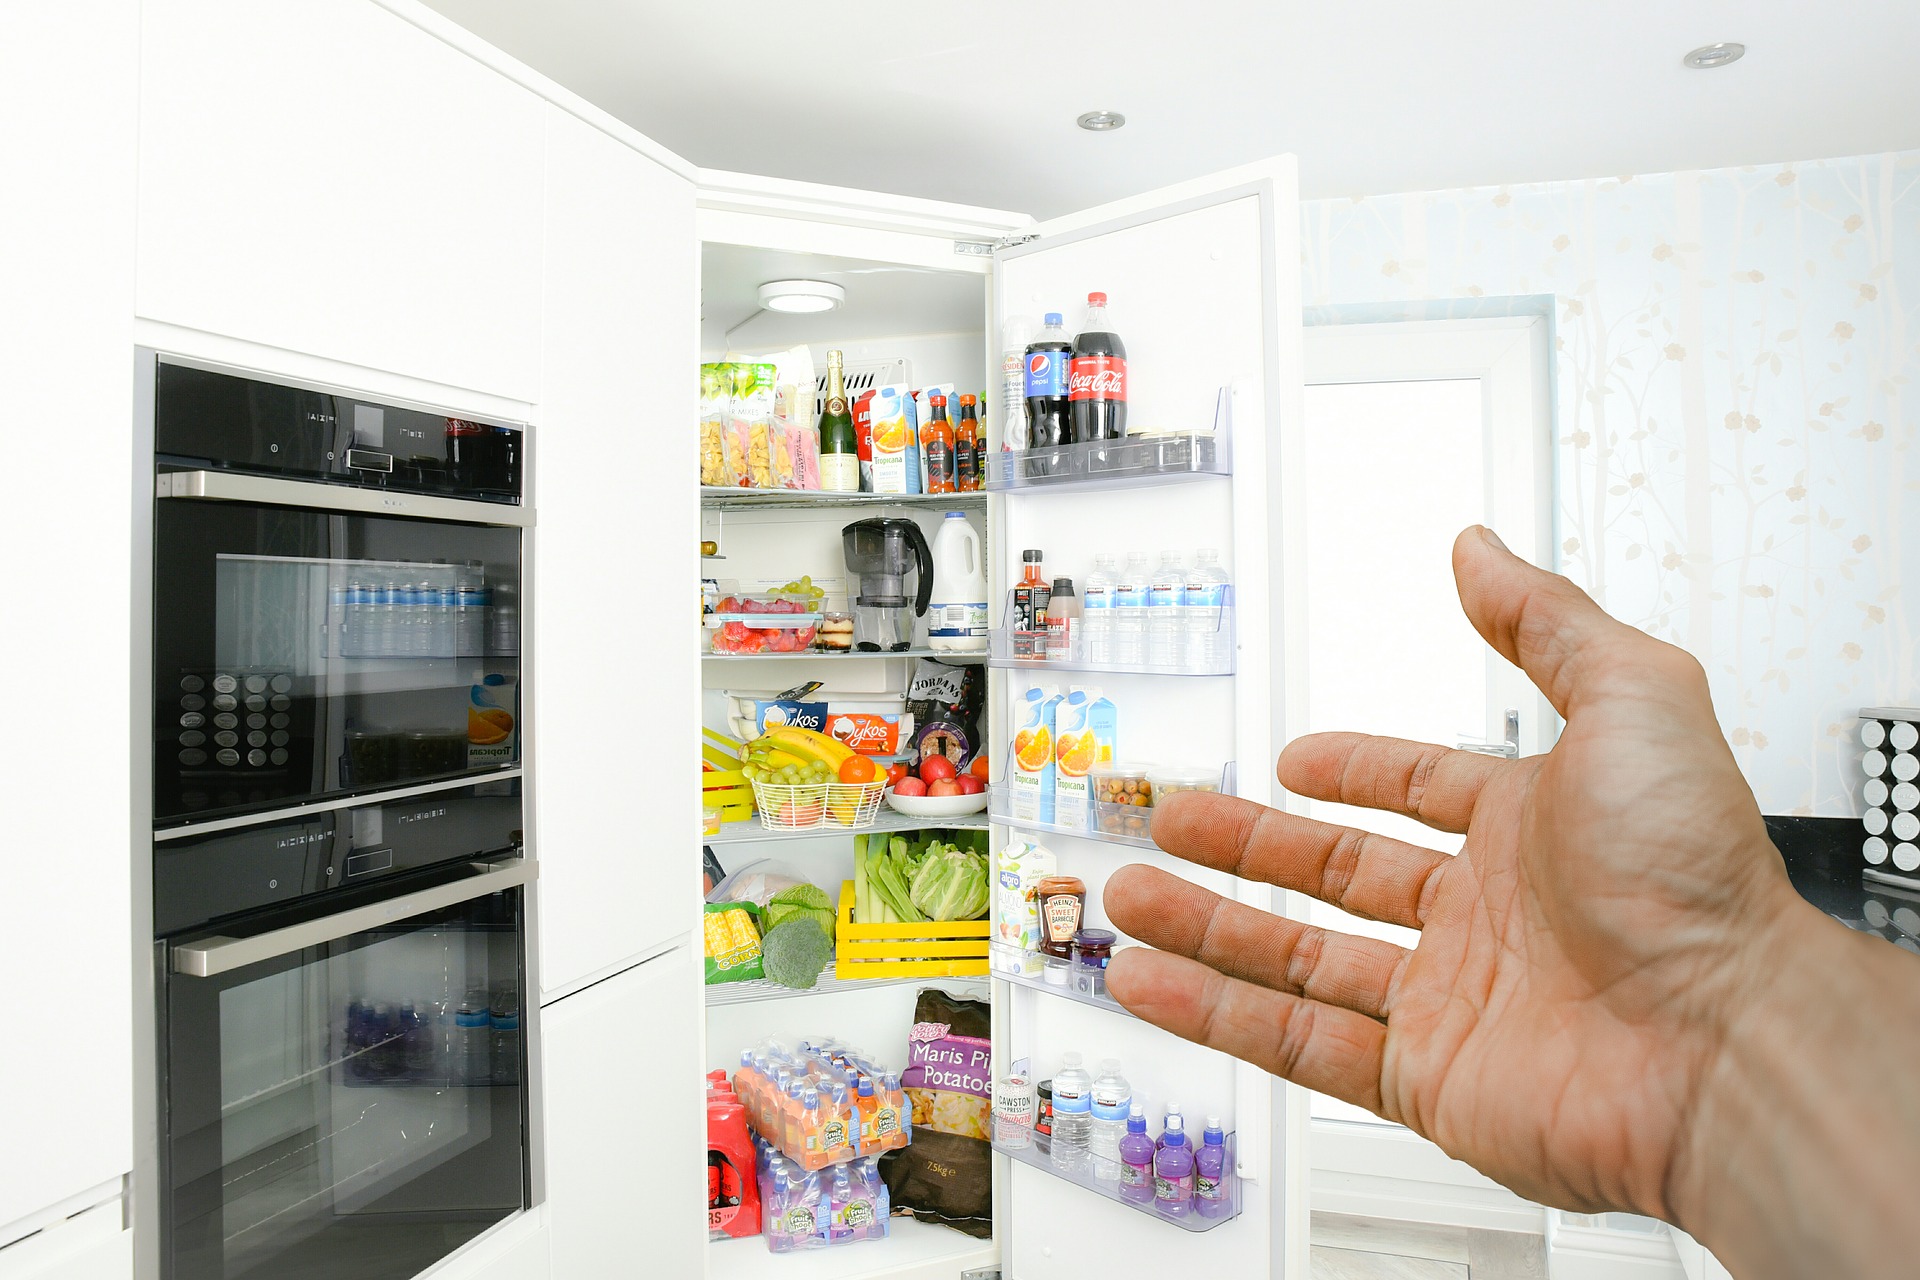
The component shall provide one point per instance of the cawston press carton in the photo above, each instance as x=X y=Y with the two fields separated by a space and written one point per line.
x=1086 y=734
x=1032 y=774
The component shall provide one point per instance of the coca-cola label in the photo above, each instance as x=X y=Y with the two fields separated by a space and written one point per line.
x=1097 y=378
x=1046 y=373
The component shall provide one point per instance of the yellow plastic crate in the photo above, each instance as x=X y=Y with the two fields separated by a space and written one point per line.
x=935 y=949
x=728 y=791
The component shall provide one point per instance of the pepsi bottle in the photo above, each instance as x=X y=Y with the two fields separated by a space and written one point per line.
x=1049 y=423
x=1097 y=378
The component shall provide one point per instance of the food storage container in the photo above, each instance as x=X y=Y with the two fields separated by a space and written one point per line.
x=1169 y=779
x=747 y=624
x=1122 y=799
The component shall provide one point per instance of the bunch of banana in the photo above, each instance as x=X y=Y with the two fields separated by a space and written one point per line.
x=809 y=744
x=793 y=757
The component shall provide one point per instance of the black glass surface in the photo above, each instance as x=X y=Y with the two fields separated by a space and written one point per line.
x=1823 y=860
x=226 y=422
x=354 y=1109
x=302 y=654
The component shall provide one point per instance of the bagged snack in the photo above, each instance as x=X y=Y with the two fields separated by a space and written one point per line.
x=732 y=935
x=750 y=413
x=716 y=390
x=946 y=1175
x=796 y=454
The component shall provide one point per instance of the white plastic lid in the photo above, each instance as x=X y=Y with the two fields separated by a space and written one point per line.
x=1109 y=1066
x=1174 y=1123
x=1069 y=1060
x=1184 y=776
x=1213 y=1122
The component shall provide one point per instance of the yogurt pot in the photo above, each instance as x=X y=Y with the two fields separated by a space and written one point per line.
x=1122 y=799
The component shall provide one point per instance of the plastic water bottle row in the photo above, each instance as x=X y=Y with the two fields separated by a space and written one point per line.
x=1163 y=615
x=410 y=611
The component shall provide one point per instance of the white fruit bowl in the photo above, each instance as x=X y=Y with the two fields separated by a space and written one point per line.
x=936 y=806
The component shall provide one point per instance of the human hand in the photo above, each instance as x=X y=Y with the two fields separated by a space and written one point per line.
x=1583 y=961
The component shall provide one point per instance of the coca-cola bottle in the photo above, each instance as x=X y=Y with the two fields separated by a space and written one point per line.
x=1048 y=421
x=1097 y=378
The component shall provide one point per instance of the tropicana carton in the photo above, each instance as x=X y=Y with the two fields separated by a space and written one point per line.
x=1032 y=775
x=1086 y=735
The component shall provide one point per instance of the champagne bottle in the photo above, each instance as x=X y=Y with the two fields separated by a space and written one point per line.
x=839 y=449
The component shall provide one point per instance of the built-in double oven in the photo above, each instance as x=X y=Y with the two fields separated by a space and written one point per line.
x=339 y=880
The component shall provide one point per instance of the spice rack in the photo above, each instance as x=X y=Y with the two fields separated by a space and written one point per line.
x=1038 y=1154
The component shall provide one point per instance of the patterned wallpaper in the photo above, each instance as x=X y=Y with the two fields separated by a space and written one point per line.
x=1736 y=467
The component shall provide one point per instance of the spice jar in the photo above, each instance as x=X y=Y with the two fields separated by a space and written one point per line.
x=1062 y=901
x=1091 y=948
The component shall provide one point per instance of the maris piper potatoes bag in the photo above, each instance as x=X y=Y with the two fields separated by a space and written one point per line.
x=946 y=1176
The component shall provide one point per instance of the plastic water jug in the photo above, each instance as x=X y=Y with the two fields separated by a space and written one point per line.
x=957 y=613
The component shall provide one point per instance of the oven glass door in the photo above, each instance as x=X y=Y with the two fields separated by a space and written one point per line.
x=302 y=654
x=353 y=1108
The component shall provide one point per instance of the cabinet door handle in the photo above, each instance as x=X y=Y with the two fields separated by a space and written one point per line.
x=230 y=486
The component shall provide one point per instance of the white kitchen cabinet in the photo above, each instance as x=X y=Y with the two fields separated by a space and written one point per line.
x=66 y=359
x=327 y=178
x=92 y=1245
x=625 y=1124
x=612 y=680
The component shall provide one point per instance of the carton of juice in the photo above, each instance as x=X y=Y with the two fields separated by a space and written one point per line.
x=1016 y=912
x=1031 y=773
x=1087 y=734
x=895 y=436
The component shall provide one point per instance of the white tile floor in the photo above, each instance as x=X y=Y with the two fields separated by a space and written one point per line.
x=1349 y=1248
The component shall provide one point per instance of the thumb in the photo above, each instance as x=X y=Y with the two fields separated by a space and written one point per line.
x=1552 y=630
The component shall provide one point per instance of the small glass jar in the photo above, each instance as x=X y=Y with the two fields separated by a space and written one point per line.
x=1091 y=950
x=1062 y=902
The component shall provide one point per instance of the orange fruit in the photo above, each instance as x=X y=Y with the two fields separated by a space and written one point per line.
x=858 y=769
x=1076 y=753
x=1033 y=748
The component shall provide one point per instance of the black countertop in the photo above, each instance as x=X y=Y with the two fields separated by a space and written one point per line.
x=1823 y=860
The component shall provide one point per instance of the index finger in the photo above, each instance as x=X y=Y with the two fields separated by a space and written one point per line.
x=1432 y=784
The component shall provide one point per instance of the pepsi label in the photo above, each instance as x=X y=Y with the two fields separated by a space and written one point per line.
x=1046 y=374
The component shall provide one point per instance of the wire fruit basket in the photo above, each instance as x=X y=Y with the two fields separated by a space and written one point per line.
x=807 y=805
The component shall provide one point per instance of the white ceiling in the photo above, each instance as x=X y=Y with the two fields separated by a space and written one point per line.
x=976 y=102
x=882 y=301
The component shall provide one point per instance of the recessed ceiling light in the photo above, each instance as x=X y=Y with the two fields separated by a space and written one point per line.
x=1101 y=121
x=801 y=295
x=1715 y=55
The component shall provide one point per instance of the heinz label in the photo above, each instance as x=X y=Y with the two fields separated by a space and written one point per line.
x=1097 y=378
x=1046 y=373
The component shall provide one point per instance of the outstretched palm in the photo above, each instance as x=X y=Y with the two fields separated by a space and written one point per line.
x=1578 y=958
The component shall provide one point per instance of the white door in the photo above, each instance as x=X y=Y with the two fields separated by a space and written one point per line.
x=1415 y=431
x=1203 y=284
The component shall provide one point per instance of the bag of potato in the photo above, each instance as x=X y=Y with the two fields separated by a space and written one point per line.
x=946 y=1175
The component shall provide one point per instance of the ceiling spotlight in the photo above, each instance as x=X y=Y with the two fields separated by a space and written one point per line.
x=1715 y=55
x=801 y=295
x=1101 y=121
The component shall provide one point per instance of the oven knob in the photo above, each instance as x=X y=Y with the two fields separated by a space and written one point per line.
x=224 y=683
x=256 y=758
x=226 y=720
x=226 y=738
x=256 y=702
x=193 y=759
x=225 y=702
x=278 y=757
x=229 y=758
x=192 y=684
x=256 y=684
x=256 y=722
x=192 y=738
x=280 y=737
x=193 y=702
x=280 y=702
x=192 y=720
x=281 y=683
x=280 y=721
x=258 y=738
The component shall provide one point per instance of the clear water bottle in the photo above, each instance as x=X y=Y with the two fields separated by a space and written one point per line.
x=386 y=617
x=1072 y=1114
x=1096 y=610
x=446 y=604
x=1166 y=599
x=334 y=643
x=1208 y=647
x=357 y=638
x=470 y=610
x=1112 y=1103
x=504 y=1023
x=1130 y=612
x=503 y=622
x=473 y=1040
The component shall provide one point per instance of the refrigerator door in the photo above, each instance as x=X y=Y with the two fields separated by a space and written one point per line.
x=1203 y=288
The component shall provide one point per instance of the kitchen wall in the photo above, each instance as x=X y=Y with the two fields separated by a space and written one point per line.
x=1735 y=464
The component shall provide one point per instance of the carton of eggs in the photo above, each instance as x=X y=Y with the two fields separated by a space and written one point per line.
x=1891 y=791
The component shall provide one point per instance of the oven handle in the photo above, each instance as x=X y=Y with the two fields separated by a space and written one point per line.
x=230 y=486
x=208 y=956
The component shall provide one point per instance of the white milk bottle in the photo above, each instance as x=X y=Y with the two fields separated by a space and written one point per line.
x=957 y=611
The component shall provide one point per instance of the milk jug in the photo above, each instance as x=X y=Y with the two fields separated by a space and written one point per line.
x=957 y=612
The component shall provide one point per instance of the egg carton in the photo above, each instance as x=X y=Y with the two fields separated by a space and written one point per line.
x=1890 y=793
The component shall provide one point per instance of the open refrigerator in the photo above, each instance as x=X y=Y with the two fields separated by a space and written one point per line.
x=1204 y=282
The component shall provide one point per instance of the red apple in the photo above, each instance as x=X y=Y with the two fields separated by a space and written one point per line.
x=936 y=769
x=895 y=772
x=909 y=786
x=970 y=785
x=943 y=787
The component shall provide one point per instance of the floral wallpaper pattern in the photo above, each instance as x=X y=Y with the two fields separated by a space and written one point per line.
x=1736 y=468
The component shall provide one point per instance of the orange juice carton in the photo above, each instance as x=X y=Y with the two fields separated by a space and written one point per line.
x=894 y=435
x=492 y=725
x=1032 y=773
x=1087 y=734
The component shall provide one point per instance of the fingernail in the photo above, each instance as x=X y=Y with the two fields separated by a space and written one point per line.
x=1493 y=538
